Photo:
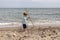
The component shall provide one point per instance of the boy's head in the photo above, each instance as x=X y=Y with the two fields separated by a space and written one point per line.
x=25 y=13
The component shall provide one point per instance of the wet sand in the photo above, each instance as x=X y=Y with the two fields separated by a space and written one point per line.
x=32 y=33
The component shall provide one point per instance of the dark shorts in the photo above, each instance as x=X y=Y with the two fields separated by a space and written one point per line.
x=24 y=26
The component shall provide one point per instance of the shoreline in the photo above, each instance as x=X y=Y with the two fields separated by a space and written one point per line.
x=29 y=27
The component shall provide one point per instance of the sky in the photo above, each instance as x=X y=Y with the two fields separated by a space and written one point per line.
x=29 y=3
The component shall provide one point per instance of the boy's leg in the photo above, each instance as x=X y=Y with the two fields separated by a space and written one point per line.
x=24 y=27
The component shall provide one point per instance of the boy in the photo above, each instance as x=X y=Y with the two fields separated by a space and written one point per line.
x=24 y=21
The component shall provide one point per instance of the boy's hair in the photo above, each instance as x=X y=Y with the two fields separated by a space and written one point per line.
x=25 y=13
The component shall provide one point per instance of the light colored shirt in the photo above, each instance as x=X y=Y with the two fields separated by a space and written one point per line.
x=24 y=20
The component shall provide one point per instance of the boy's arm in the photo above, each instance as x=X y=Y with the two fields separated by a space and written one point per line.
x=28 y=17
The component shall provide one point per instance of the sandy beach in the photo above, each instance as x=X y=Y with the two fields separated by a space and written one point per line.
x=31 y=33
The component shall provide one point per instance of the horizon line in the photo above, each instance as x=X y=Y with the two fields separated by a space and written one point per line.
x=43 y=7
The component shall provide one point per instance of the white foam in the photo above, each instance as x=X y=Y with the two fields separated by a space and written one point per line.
x=36 y=23
x=47 y=23
x=8 y=23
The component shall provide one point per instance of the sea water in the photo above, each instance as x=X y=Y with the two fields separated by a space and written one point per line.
x=13 y=16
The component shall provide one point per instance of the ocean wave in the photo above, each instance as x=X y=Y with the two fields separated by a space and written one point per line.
x=9 y=23
x=31 y=23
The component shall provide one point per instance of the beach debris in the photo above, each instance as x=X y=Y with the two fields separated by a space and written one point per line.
x=43 y=34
